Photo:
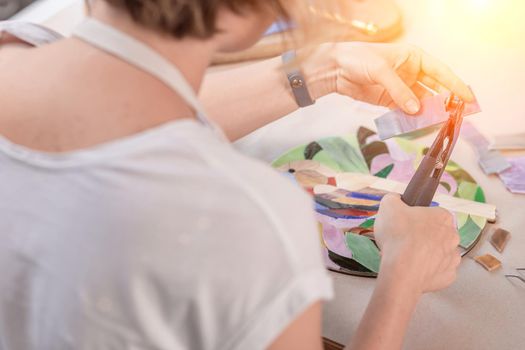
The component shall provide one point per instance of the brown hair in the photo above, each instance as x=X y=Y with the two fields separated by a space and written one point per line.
x=194 y=18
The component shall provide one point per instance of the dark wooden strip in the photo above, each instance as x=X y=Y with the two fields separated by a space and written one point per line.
x=331 y=345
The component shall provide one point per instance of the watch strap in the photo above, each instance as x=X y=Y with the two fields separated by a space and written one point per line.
x=297 y=82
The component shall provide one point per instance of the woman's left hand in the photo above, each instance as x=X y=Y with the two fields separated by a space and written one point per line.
x=381 y=74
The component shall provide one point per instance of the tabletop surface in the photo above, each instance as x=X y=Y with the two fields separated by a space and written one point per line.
x=482 y=41
x=481 y=310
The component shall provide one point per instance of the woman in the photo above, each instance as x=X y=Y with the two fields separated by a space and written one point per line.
x=128 y=221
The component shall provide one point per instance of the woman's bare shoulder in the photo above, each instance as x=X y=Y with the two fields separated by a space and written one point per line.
x=28 y=90
x=67 y=96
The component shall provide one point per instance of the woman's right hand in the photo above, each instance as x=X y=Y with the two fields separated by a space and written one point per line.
x=418 y=244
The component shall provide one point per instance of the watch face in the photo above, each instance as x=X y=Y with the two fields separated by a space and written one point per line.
x=297 y=83
x=300 y=90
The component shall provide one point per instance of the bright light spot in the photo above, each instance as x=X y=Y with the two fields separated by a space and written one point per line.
x=498 y=22
x=480 y=4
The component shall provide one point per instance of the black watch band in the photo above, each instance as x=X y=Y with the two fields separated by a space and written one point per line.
x=297 y=82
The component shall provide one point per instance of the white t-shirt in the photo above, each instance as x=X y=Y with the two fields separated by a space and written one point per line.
x=168 y=239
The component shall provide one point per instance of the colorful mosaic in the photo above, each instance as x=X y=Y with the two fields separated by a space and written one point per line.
x=346 y=218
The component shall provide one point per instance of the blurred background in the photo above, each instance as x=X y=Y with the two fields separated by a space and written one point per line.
x=482 y=40
x=10 y=7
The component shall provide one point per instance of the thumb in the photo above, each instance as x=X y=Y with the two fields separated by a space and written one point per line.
x=401 y=94
x=391 y=199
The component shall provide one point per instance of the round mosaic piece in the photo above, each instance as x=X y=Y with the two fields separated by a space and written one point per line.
x=346 y=218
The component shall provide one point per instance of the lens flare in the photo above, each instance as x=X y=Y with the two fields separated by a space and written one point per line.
x=498 y=22
x=481 y=4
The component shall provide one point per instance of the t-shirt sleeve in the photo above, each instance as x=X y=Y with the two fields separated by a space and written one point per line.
x=303 y=291
x=300 y=280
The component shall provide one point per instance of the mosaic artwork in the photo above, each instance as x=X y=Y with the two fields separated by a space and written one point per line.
x=346 y=218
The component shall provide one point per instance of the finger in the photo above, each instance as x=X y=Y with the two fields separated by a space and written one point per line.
x=449 y=278
x=449 y=220
x=455 y=241
x=418 y=90
x=391 y=201
x=432 y=84
x=357 y=92
x=385 y=99
x=441 y=280
x=444 y=266
x=391 y=198
x=452 y=263
x=446 y=274
x=398 y=90
x=445 y=217
x=442 y=74
x=421 y=91
x=409 y=70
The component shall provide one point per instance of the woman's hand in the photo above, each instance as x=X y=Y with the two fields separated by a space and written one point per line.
x=418 y=245
x=381 y=74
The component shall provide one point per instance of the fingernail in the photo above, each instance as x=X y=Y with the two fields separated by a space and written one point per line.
x=412 y=106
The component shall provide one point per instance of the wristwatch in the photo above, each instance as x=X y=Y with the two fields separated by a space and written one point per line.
x=297 y=82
